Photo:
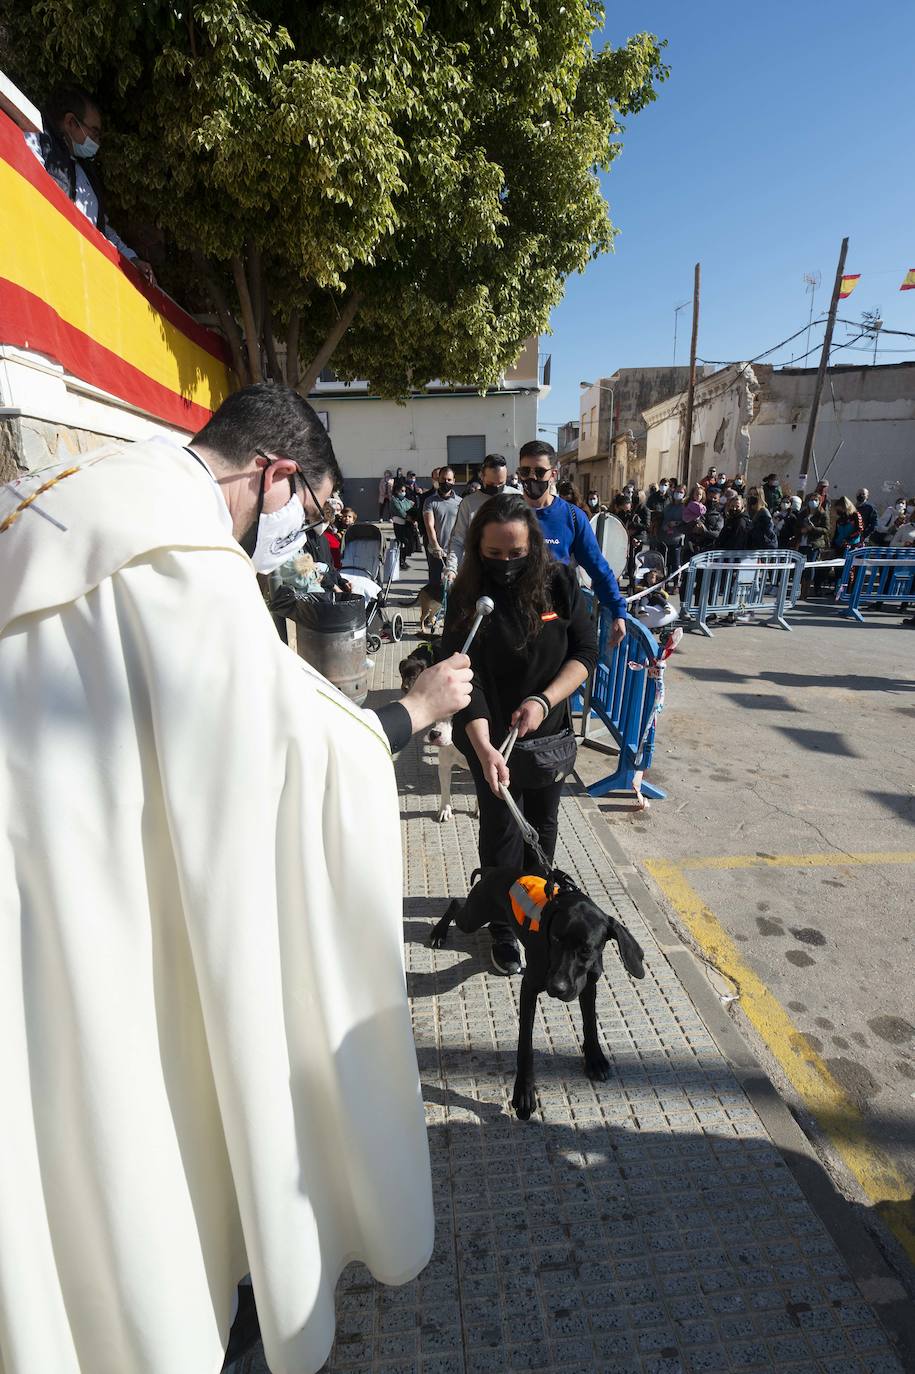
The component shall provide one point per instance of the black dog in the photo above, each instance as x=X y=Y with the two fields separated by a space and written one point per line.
x=563 y=945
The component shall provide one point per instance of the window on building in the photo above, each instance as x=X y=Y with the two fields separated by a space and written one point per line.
x=592 y=423
x=327 y=374
x=465 y=452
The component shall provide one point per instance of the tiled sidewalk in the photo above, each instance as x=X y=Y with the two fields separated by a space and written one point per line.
x=644 y=1225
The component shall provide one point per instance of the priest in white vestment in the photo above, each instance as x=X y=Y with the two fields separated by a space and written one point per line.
x=206 y=1061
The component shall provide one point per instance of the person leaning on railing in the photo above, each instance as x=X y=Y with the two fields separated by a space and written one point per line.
x=71 y=138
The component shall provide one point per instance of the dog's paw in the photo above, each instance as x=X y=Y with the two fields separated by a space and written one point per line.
x=438 y=939
x=524 y=1098
x=446 y=814
x=597 y=1065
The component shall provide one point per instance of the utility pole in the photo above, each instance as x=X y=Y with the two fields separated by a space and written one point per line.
x=691 y=389
x=824 y=361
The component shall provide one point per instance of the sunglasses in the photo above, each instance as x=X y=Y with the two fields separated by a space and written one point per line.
x=538 y=474
x=317 y=520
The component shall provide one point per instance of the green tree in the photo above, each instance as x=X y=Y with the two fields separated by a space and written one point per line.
x=403 y=187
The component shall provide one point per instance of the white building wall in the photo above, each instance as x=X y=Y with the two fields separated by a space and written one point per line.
x=370 y=434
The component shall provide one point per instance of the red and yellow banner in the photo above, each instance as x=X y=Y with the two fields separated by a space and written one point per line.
x=908 y=281
x=848 y=285
x=66 y=292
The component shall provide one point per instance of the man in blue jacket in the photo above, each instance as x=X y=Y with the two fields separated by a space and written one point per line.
x=566 y=529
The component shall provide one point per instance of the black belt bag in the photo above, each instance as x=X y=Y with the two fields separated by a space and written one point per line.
x=543 y=759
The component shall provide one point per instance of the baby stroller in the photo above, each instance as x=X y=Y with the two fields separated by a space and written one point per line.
x=370 y=569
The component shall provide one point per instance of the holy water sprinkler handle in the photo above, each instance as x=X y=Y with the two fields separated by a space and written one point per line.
x=485 y=606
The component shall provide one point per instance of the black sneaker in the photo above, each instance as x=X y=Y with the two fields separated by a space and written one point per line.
x=504 y=955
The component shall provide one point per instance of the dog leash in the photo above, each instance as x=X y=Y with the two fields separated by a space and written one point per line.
x=528 y=833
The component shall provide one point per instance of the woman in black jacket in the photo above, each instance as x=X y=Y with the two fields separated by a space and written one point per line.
x=529 y=656
x=762 y=526
x=735 y=533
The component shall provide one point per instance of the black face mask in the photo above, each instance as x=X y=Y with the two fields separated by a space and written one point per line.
x=504 y=571
x=445 y=488
x=495 y=490
x=535 y=487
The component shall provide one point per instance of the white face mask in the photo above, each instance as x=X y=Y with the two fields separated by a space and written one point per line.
x=281 y=534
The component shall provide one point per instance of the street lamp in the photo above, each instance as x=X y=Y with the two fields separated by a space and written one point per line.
x=677 y=309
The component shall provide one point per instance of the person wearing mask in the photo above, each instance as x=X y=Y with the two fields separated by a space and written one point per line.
x=440 y=514
x=567 y=531
x=493 y=475
x=868 y=513
x=708 y=528
x=421 y=507
x=888 y=523
x=672 y=533
x=735 y=531
x=762 y=529
x=848 y=528
x=812 y=539
x=385 y=489
x=633 y=521
x=772 y=492
x=535 y=649
x=569 y=492
x=787 y=522
x=904 y=533
x=592 y=503
x=201 y=824
x=657 y=500
x=71 y=139
x=695 y=537
x=401 y=507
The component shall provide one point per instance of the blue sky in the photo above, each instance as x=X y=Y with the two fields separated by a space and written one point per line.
x=782 y=128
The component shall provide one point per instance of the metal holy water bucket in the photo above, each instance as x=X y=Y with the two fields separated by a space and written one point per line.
x=330 y=635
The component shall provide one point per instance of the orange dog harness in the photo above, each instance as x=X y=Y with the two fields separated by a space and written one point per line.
x=528 y=898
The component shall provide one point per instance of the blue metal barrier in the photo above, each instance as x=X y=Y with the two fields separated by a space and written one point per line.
x=625 y=698
x=724 y=582
x=869 y=575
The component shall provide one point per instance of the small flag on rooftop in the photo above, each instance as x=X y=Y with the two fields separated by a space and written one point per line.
x=908 y=281
x=848 y=285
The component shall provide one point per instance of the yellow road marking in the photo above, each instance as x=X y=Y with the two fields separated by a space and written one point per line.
x=837 y=859
x=837 y=1115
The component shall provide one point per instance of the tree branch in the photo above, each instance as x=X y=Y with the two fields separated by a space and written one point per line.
x=333 y=337
x=247 y=316
x=226 y=319
x=273 y=362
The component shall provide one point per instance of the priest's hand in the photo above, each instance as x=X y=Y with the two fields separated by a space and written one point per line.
x=439 y=691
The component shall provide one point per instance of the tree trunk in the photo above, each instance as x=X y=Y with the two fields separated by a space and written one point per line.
x=292 y=348
x=226 y=319
x=252 y=340
x=334 y=335
x=273 y=362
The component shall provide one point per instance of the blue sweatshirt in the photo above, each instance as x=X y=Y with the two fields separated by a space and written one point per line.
x=568 y=534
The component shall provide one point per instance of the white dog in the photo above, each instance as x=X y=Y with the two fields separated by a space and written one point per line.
x=449 y=758
x=439 y=737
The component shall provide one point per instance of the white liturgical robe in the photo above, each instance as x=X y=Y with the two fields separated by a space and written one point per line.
x=206 y=1062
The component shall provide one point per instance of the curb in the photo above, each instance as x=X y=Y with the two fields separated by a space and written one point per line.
x=877 y=1281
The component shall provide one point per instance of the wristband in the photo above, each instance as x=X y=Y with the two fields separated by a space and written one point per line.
x=541 y=701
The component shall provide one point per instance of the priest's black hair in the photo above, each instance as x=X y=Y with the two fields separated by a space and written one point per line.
x=279 y=421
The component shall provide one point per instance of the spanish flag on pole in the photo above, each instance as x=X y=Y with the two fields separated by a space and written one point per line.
x=908 y=281
x=848 y=285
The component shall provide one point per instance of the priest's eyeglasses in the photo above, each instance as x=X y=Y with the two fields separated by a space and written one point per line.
x=310 y=521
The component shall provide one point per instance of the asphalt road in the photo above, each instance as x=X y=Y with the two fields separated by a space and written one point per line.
x=787 y=846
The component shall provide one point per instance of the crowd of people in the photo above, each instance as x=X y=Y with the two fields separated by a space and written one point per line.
x=721 y=512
